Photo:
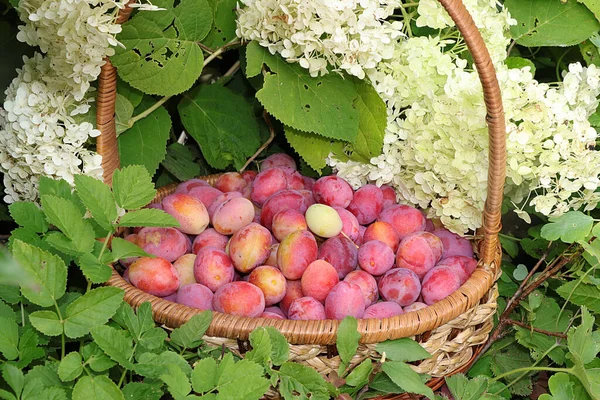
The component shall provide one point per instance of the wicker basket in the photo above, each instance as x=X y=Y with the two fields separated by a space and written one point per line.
x=451 y=330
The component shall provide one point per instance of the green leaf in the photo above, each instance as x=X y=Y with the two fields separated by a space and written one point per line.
x=550 y=23
x=122 y=248
x=66 y=216
x=33 y=389
x=70 y=367
x=465 y=389
x=148 y=217
x=520 y=273
x=132 y=95
x=9 y=338
x=189 y=335
x=96 y=388
x=7 y=312
x=403 y=349
x=179 y=161
x=153 y=365
x=161 y=54
x=347 y=341
x=55 y=187
x=593 y=6
x=123 y=113
x=48 y=271
x=28 y=347
x=560 y=387
x=280 y=348
x=14 y=377
x=323 y=105
x=96 y=358
x=138 y=323
x=372 y=121
x=223 y=30
x=98 y=198
x=580 y=341
x=510 y=247
x=204 y=375
x=581 y=294
x=145 y=143
x=313 y=148
x=47 y=322
x=360 y=375
x=177 y=382
x=92 y=309
x=402 y=375
x=570 y=227
x=93 y=269
x=142 y=391
x=261 y=347
x=48 y=374
x=509 y=358
x=11 y=294
x=520 y=62
x=133 y=187
x=222 y=123
x=28 y=215
x=298 y=381
x=115 y=344
x=153 y=339
x=247 y=386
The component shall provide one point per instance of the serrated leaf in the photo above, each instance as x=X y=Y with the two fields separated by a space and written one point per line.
x=402 y=375
x=70 y=367
x=93 y=269
x=92 y=309
x=465 y=389
x=560 y=387
x=251 y=387
x=148 y=217
x=123 y=113
x=142 y=391
x=569 y=227
x=28 y=215
x=115 y=344
x=323 y=105
x=298 y=381
x=48 y=374
x=314 y=149
x=508 y=359
x=48 y=272
x=179 y=161
x=550 y=23
x=403 y=349
x=98 y=198
x=177 y=382
x=7 y=312
x=372 y=121
x=28 y=347
x=360 y=374
x=161 y=54
x=593 y=6
x=32 y=390
x=10 y=294
x=54 y=187
x=261 y=347
x=347 y=341
x=153 y=339
x=145 y=143
x=122 y=248
x=222 y=123
x=136 y=323
x=189 y=335
x=96 y=358
x=14 y=377
x=280 y=348
x=223 y=29
x=204 y=375
x=47 y=322
x=133 y=187
x=67 y=217
x=580 y=341
x=9 y=338
x=96 y=388
x=581 y=294
x=153 y=365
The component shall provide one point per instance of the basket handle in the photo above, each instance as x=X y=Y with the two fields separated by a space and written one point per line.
x=107 y=141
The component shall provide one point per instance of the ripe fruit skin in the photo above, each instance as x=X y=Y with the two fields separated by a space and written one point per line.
x=439 y=283
x=419 y=252
x=306 y=308
x=195 y=295
x=239 y=298
x=375 y=257
x=250 y=247
x=211 y=238
x=405 y=219
x=367 y=284
x=232 y=215
x=293 y=291
x=367 y=204
x=343 y=300
x=167 y=243
x=453 y=244
x=463 y=266
x=400 y=285
x=155 y=276
x=318 y=279
x=190 y=212
x=286 y=222
x=184 y=266
x=271 y=281
x=341 y=253
x=333 y=191
x=295 y=252
x=213 y=268
x=323 y=220
x=385 y=309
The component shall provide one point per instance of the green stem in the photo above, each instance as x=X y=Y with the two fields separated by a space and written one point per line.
x=102 y=250
x=514 y=239
x=148 y=111
x=62 y=335
x=527 y=369
x=22 y=314
x=407 y=19
x=125 y=370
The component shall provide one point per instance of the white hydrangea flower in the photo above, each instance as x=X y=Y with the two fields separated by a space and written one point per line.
x=348 y=35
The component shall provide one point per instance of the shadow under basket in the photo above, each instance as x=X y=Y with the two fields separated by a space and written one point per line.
x=451 y=330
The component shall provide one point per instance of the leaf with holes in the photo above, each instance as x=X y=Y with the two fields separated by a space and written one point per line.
x=323 y=105
x=222 y=123
x=223 y=30
x=145 y=143
x=161 y=54
x=551 y=23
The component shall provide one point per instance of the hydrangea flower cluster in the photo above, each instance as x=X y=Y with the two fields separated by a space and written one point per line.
x=435 y=147
x=348 y=35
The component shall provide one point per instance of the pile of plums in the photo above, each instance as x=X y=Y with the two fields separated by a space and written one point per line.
x=277 y=244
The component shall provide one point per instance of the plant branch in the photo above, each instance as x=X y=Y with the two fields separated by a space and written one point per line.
x=264 y=146
x=527 y=369
x=147 y=111
x=233 y=69
x=531 y=328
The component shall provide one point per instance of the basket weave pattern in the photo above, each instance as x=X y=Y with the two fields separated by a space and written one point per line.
x=451 y=330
